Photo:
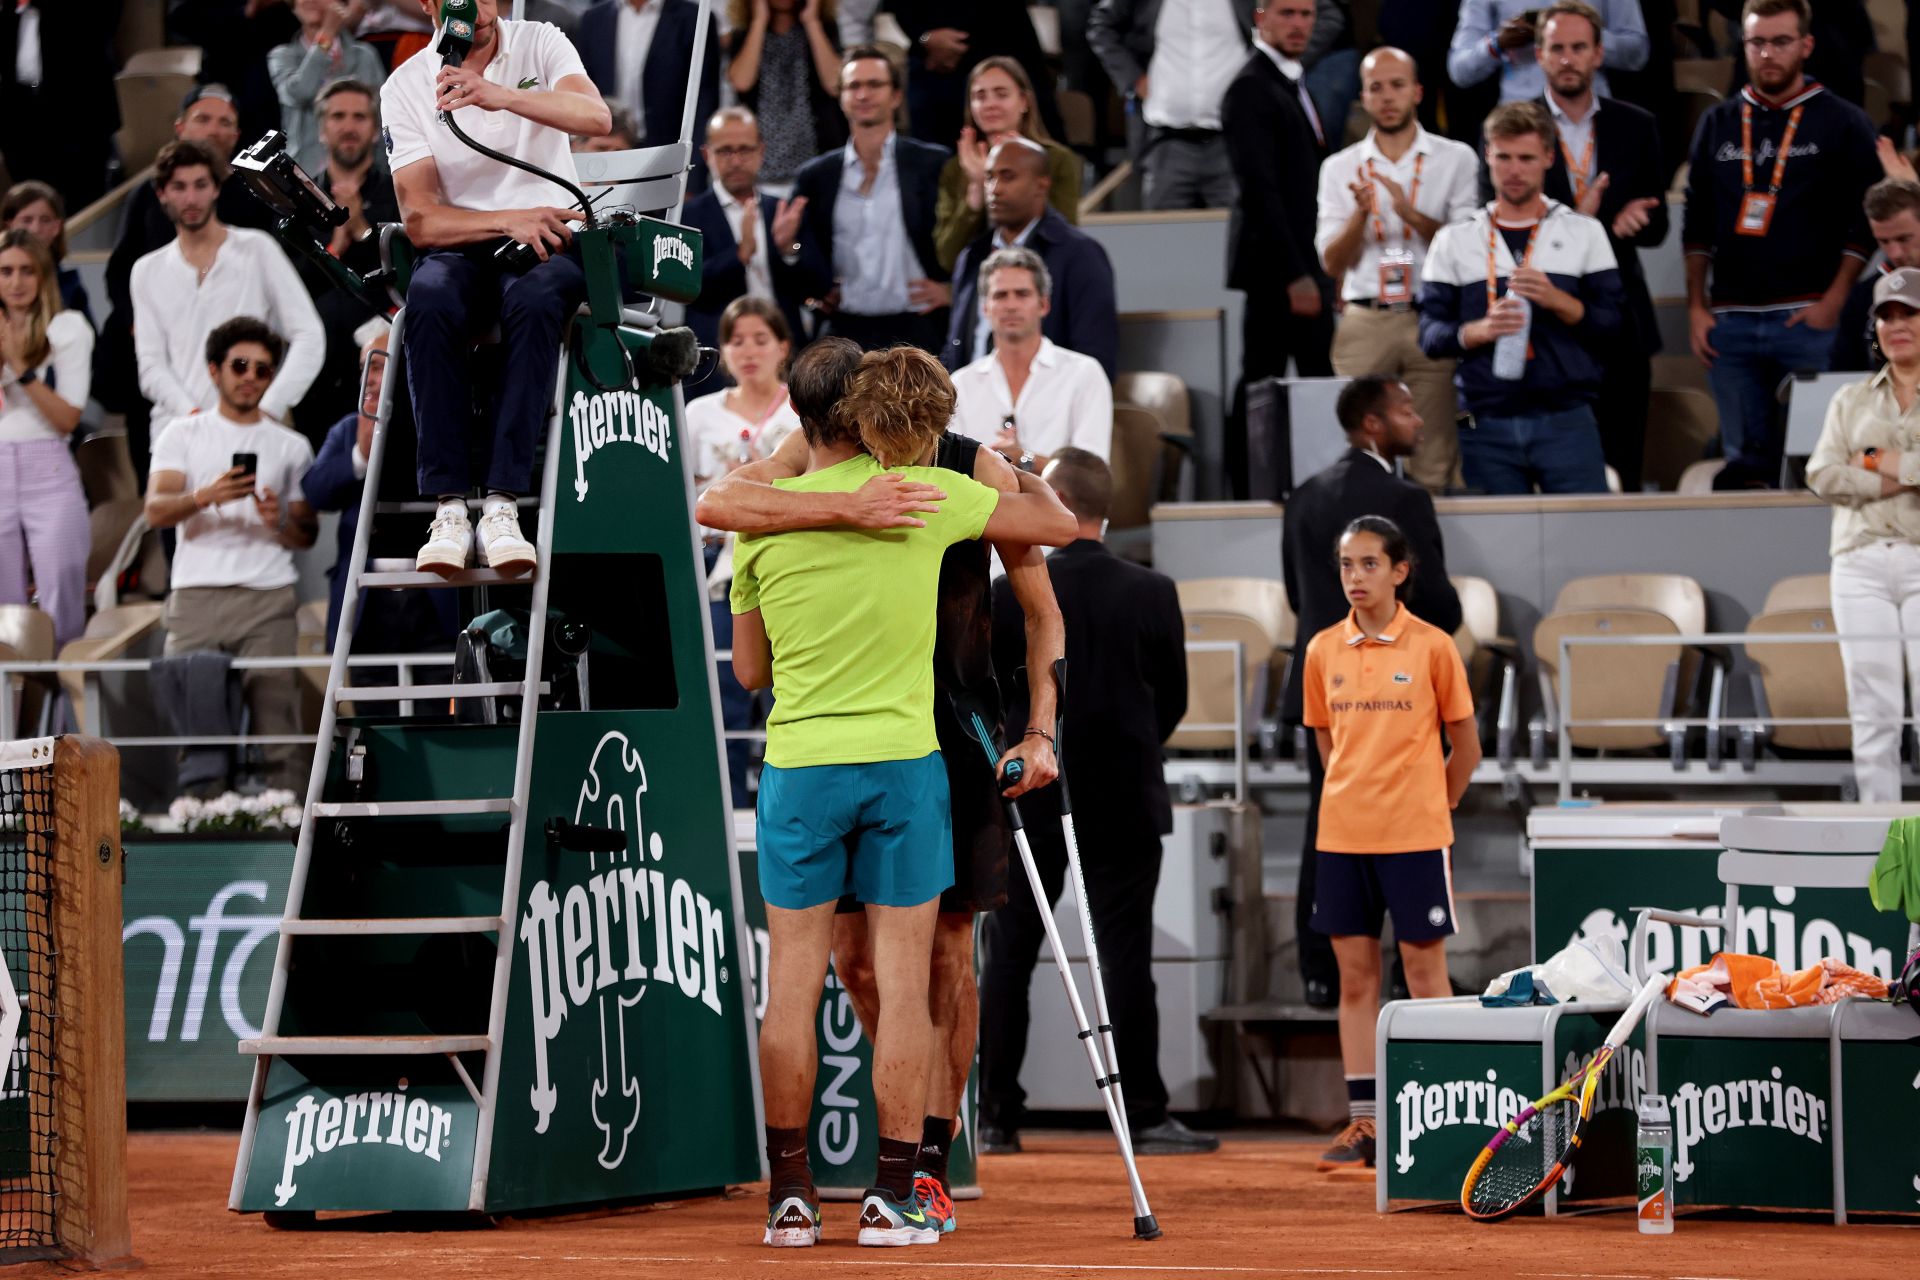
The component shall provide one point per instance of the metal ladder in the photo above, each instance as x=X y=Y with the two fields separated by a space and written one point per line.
x=295 y=924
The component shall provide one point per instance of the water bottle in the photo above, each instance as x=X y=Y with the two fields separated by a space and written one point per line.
x=1510 y=349
x=1653 y=1163
x=745 y=453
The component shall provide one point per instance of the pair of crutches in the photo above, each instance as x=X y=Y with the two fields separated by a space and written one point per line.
x=1098 y=1040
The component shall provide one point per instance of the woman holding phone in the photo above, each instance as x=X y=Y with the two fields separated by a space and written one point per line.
x=46 y=370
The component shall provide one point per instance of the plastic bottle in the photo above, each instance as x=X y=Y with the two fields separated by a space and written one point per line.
x=1653 y=1164
x=1510 y=349
x=745 y=452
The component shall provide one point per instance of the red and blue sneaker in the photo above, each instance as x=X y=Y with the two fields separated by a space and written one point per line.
x=935 y=1201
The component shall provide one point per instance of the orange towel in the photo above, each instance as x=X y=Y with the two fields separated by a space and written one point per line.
x=1756 y=982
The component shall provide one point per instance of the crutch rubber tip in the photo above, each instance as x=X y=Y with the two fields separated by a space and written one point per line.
x=1145 y=1228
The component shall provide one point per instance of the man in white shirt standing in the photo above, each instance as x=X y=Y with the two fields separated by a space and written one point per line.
x=230 y=480
x=1027 y=398
x=522 y=91
x=209 y=274
x=1381 y=201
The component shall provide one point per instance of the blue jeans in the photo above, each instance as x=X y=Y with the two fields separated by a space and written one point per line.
x=1757 y=350
x=1559 y=450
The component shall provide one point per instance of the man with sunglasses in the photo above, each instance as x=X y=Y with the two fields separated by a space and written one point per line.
x=230 y=480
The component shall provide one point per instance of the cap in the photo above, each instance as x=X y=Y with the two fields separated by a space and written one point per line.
x=212 y=90
x=1901 y=286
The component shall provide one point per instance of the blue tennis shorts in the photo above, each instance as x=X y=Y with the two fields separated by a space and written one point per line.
x=1354 y=893
x=882 y=832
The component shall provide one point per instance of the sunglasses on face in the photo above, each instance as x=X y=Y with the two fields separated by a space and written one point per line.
x=240 y=366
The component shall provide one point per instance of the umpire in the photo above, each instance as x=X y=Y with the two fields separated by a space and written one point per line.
x=1127 y=689
x=1382 y=426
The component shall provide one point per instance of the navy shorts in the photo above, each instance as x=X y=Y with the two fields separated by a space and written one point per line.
x=1354 y=893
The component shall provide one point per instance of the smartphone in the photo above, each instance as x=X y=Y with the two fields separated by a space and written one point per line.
x=249 y=463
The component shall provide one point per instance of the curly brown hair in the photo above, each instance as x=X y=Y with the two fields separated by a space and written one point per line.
x=899 y=402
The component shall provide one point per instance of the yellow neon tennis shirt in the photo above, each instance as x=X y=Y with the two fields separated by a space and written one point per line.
x=850 y=616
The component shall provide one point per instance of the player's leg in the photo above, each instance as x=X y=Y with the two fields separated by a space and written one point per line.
x=853 y=963
x=1349 y=907
x=953 y=1007
x=1419 y=893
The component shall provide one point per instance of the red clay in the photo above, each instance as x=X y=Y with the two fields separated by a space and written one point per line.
x=1058 y=1211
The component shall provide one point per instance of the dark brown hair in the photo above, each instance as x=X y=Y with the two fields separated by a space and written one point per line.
x=241 y=329
x=861 y=52
x=22 y=196
x=748 y=305
x=816 y=385
x=1572 y=9
x=899 y=402
x=182 y=154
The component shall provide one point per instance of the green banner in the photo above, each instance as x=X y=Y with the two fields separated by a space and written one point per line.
x=1881 y=1082
x=1752 y=1122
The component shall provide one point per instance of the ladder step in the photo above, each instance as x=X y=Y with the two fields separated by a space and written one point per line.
x=395 y=926
x=428 y=508
x=364 y=1046
x=402 y=692
x=407 y=808
x=464 y=578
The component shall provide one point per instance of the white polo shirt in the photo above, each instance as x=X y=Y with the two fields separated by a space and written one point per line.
x=531 y=55
x=1449 y=176
x=1067 y=400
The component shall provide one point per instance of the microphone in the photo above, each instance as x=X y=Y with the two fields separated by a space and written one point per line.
x=456 y=34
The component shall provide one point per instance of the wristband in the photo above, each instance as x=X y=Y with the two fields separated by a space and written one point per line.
x=28 y=378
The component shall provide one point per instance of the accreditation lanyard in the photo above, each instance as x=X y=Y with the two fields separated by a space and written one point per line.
x=1493 y=261
x=1581 y=171
x=752 y=436
x=1413 y=197
x=1756 y=207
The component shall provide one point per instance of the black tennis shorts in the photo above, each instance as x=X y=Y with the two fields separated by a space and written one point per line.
x=1355 y=892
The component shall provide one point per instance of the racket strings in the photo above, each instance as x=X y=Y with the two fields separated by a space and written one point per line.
x=1526 y=1160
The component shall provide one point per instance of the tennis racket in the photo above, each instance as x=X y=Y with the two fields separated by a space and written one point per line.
x=1530 y=1151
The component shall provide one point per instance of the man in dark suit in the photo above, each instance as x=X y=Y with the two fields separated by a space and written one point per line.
x=943 y=54
x=1382 y=425
x=62 y=112
x=860 y=224
x=1083 y=317
x=733 y=218
x=1127 y=690
x=655 y=88
x=1611 y=170
x=1276 y=144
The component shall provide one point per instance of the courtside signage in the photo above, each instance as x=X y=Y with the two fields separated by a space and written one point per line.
x=1751 y=1120
x=615 y=418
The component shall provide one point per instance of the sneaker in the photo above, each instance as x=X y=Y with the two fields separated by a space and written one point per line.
x=500 y=541
x=449 y=539
x=885 y=1221
x=1353 y=1149
x=935 y=1201
x=1171 y=1138
x=999 y=1140
x=792 y=1223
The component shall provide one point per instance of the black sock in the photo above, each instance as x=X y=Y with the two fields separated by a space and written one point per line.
x=936 y=1140
x=895 y=1173
x=787 y=1162
x=1360 y=1097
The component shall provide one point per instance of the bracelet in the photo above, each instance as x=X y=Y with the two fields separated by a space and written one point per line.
x=1041 y=732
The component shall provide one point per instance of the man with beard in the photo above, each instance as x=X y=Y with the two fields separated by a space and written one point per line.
x=1893 y=215
x=1382 y=201
x=210 y=274
x=1774 y=213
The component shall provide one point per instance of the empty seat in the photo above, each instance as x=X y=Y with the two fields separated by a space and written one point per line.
x=149 y=102
x=1493 y=662
x=1164 y=393
x=1697 y=480
x=1681 y=422
x=1254 y=612
x=114 y=632
x=1146 y=459
x=1796 y=681
x=26 y=635
x=1703 y=75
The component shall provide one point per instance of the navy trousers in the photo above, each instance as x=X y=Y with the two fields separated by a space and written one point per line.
x=457 y=296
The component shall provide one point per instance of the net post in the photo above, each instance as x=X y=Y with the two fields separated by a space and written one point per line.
x=89 y=1046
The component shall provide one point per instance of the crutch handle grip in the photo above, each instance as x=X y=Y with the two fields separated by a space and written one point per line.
x=1011 y=772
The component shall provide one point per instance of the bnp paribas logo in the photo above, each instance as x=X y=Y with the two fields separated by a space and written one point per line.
x=595 y=947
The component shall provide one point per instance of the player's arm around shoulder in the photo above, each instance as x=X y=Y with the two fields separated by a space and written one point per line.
x=1032 y=515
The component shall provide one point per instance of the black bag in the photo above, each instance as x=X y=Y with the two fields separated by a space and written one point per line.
x=493 y=649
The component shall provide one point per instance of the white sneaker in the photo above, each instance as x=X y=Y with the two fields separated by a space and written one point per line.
x=448 y=540
x=501 y=543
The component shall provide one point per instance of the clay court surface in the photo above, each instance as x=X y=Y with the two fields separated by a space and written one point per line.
x=1058 y=1210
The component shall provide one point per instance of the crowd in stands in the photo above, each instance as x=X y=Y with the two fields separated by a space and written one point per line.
x=1414 y=187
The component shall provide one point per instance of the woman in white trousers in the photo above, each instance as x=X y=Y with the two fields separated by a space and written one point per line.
x=1867 y=465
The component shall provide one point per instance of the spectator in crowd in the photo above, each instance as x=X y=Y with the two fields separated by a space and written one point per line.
x=1382 y=200
x=1862 y=466
x=1774 y=215
x=639 y=54
x=1500 y=35
x=207 y=116
x=1843 y=35
x=1382 y=423
x=1333 y=66
x=322 y=54
x=1611 y=169
x=1276 y=143
x=1539 y=428
x=235 y=38
x=1000 y=108
x=233 y=572
x=210 y=274
x=783 y=62
x=1166 y=60
x=46 y=362
x=1028 y=398
x=1128 y=692
x=36 y=208
x=57 y=65
x=738 y=259
x=452 y=202
x=1893 y=216
x=860 y=224
x=941 y=57
x=623 y=136
x=729 y=429
x=1082 y=315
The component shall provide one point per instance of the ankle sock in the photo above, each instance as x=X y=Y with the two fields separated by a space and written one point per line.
x=936 y=1140
x=894 y=1174
x=495 y=500
x=787 y=1163
x=1360 y=1097
x=454 y=502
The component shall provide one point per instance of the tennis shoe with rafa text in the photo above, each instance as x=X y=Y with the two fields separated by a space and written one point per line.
x=886 y=1222
x=793 y=1222
x=1353 y=1149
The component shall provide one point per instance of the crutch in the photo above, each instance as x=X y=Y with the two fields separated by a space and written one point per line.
x=1099 y=1051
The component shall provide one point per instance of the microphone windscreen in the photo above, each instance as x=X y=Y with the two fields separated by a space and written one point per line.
x=673 y=353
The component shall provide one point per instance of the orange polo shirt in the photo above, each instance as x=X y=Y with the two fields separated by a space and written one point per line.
x=1384 y=699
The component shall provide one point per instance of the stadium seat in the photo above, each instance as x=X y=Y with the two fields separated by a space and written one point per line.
x=1796 y=681
x=179 y=60
x=111 y=633
x=1807 y=396
x=1077 y=115
x=1254 y=612
x=1164 y=393
x=1697 y=480
x=1146 y=460
x=149 y=101
x=1680 y=370
x=1648 y=682
x=1681 y=422
x=1488 y=655
x=1887 y=83
x=26 y=635
x=1046 y=28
